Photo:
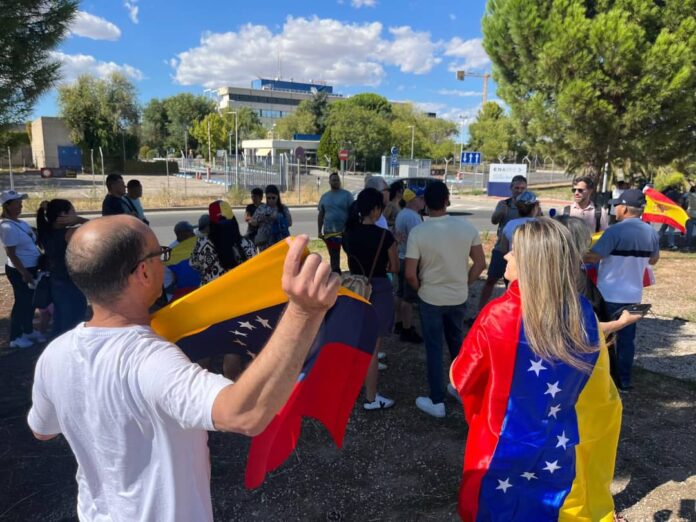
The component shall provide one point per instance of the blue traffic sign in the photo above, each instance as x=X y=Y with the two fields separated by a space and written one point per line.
x=470 y=158
x=394 y=151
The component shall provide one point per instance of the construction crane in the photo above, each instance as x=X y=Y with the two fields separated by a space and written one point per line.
x=463 y=74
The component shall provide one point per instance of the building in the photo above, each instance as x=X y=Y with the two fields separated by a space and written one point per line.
x=51 y=146
x=272 y=99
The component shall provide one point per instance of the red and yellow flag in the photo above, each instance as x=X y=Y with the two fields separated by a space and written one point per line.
x=660 y=209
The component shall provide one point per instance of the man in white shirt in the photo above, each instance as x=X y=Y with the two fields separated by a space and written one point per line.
x=131 y=405
x=436 y=266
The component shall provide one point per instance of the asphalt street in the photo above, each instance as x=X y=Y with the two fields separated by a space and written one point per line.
x=304 y=220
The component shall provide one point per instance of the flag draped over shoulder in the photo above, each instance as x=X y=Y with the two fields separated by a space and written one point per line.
x=660 y=209
x=237 y=313
x=542 y=437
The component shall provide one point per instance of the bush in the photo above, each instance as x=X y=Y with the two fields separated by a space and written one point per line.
x=154 y=167
x=151 y=154
x=670 y=178
x=144 y=151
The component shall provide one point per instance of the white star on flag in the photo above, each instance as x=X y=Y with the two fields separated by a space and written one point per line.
x=536 y=366
x=551 y=466
x=247 y=325
x=504 y=484
x=552 y=389
x=529 y=475
x=241 y=334
x=562 y=440
x=239 y=342
x=263 y=322
x=554 y=411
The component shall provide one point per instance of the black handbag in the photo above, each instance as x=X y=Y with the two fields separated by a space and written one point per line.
x=42 y=291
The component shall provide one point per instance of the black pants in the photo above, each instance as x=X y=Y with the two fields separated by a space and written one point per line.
x=22 y=317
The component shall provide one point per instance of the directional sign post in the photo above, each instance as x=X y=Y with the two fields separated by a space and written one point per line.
x=394 y=163
x=471 y=158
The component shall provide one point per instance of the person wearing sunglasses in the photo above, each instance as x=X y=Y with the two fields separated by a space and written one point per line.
x=133 y=408
x=272 y=218
x=596 y=218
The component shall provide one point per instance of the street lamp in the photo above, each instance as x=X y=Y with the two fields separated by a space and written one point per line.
x=413 y=135
x=236 y=147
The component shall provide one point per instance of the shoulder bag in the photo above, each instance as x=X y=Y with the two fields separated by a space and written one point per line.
x=360 y=284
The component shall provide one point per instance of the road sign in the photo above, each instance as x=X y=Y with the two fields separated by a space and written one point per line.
x=343 y=155
x=470 y=158
x=299 y=153
x=395 y=151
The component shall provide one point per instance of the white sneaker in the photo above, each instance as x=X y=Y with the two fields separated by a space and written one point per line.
x=21 y=342
x=381 y=366
x=37 y=337
x=453 y=392
x=380 y=403
x=381 y=355
x=426 y=404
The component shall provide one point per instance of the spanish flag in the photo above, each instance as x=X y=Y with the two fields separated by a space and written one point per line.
x=237 y=313
x=660 y=209
x=542 y=435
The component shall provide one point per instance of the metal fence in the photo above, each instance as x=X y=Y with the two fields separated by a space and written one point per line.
x=241 y=177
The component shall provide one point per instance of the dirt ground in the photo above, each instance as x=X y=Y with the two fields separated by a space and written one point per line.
x=398 y=464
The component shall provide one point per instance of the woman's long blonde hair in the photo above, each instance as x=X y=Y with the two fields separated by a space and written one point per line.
x=548 y=269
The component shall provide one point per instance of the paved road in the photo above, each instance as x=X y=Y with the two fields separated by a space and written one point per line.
x=304 y=220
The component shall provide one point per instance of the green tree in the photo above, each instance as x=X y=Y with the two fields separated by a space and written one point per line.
x=318 y=106
x=222 y=129
x=372 y=102
x=494 y=135
x=598 y=81
x=327 y=152
x=430 y=135
x=365 y=132
x=29 y=30
x=182 y=111
x=155 y=121
x=102 y=113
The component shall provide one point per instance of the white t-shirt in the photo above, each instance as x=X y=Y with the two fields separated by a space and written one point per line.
x=134 y=410
x=442 y=245
x=20 y=235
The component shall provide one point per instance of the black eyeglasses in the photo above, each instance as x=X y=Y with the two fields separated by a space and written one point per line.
x=573 y=190
x=164 y=254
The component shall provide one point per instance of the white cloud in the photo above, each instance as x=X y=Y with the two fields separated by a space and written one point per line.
x=94 y=27
x=74 y=65
x=132 y=6
x=459 y=93
x=308 y=48
x=363 y=3
x=413 y=52
x=471 y=51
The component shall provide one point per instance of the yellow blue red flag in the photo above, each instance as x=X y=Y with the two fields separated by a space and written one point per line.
x=542 y=435
x=237 y=313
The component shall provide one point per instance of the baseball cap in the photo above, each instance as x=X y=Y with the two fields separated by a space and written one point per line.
x=376 y=182
x=183 y=226
x=411 y=193
x=526 y=198
x=11 y=195
x=203 y=222
x=219 y=210
x=631 y=198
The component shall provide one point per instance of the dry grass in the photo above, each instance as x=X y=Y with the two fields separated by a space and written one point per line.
x=674 y=294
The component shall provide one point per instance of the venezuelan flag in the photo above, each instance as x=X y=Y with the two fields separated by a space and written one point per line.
x=237 y=313
x=660 y=209
x=542 y=436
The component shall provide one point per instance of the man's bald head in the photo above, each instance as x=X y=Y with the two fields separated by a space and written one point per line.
x=102 y=254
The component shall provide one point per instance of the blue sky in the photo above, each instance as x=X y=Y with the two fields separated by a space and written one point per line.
x=403 y=50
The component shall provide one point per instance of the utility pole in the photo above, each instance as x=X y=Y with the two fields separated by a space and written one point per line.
x=413 y=135
x=463 y=74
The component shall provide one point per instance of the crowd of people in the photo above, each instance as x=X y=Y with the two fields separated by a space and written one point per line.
x=561 y=291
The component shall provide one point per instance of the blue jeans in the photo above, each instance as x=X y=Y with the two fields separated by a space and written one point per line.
x=625 y=346
x=670 y=234
x=69 y=306
x=438 y=322
x=690 y=225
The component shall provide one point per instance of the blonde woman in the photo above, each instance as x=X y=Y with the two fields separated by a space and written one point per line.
x=533 y=375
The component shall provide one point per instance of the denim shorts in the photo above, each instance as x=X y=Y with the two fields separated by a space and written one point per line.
x=405 y=291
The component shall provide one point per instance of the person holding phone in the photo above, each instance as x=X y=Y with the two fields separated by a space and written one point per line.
x=624 y=252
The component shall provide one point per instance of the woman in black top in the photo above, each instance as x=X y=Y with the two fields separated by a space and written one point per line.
x=366 y=245
x=53 y=223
